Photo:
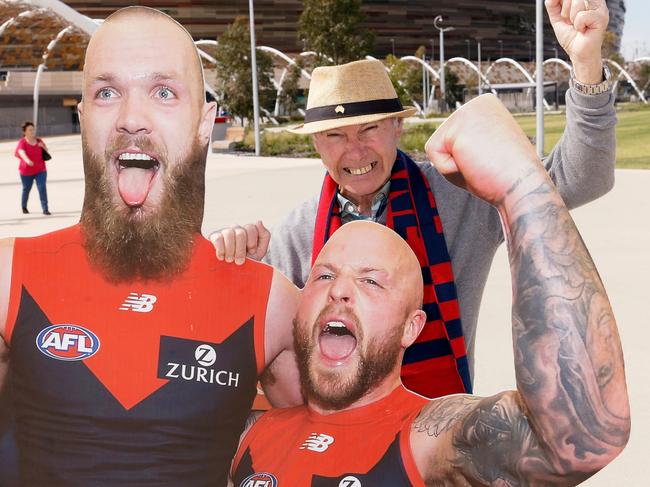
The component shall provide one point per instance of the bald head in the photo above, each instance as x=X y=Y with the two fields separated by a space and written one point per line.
x=364 y=244
x=144 y=31
x=360 y=309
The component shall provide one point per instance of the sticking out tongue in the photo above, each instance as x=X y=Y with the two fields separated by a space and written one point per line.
x=337 y=347
x=134 y=184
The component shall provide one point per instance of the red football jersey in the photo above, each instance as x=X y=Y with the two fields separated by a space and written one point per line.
x=358 y=447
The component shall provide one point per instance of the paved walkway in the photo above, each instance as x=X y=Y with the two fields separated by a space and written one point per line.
x=242 y=189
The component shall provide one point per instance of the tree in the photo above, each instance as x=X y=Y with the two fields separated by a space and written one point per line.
x=644 y=77
x=453 y=89
x=332 y=28
x=610 y=48
x=234 y=72
x=291 y=87
x=407 y=77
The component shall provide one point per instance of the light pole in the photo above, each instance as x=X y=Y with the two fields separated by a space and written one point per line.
x=539 y=31
x=500 y=48
x=256 y=99
x=392 y=42
x=443 y=99
x=530 y=52
x=430 y=88
x=480 y=82
x=468 y=53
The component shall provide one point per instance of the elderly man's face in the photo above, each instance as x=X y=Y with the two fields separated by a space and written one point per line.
x=357 y=313
x=360 y=157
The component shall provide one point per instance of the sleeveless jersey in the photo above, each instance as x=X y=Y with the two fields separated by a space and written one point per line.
x=366 y=446
x=140 y=383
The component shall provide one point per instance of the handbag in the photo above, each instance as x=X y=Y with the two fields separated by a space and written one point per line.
x=46 y=155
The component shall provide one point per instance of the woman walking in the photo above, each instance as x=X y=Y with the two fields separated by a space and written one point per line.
x=32 y=166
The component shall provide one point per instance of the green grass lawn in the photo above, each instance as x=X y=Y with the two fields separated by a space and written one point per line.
x=632 y=135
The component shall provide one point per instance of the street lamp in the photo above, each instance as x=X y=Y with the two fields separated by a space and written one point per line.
x=392 y=41
x=468 y=53
x=480 y=81
x=443 y=99
x=500 y=48
x=256 y=101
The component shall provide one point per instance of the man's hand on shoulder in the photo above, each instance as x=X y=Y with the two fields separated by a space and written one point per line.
x=235 y=244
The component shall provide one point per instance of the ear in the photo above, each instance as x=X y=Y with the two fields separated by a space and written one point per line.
x=399 y=126
x=80 y=111
x=207 y=122
x=414 y=324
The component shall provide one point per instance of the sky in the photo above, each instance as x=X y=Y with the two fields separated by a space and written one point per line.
x=636 y=34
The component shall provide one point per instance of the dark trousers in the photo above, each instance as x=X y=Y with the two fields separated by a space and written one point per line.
x=28 y=182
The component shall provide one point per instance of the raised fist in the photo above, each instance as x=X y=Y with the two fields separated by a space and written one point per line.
x=481 y=148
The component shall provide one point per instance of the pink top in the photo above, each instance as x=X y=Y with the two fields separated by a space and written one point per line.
x=35 y=153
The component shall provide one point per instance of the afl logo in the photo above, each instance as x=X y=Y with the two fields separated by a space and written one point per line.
x=67 y=342
x=261 y=479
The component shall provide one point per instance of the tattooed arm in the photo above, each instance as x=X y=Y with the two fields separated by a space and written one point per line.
x=570 y=415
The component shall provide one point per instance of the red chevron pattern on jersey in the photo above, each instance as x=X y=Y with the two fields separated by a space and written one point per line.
x=206 y=303
x=300 y=447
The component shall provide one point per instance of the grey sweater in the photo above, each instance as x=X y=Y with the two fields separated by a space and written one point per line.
x=581 y=165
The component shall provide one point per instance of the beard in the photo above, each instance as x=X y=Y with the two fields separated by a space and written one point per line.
x=336 y=390
x=149 y=241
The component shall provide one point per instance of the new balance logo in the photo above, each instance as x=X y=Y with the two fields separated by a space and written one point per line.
x=141 y=303
x=317 y=442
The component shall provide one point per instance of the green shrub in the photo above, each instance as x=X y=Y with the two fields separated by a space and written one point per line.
x=279 y=144
x=415 y=136
x=292 y=145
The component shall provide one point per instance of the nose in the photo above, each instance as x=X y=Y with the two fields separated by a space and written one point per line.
x=341 y=290
x=133 y=116
x=355 y=149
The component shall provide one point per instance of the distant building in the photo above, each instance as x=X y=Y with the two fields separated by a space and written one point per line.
x=504 y=27
x=408 y=22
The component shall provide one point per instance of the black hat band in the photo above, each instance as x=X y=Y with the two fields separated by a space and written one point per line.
x=344 y=110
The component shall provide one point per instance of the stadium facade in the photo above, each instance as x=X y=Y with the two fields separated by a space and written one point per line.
x=405 y=23
x=505 y=28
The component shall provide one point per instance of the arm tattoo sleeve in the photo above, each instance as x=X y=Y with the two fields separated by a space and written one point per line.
x=570 y=414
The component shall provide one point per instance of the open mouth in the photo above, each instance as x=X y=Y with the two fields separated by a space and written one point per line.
x=360 y=170
x=135 y=174
x=337 y=340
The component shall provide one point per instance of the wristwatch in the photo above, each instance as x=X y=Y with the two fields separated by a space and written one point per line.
x=596 y=89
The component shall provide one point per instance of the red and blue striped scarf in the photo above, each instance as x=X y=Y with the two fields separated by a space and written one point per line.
x=436 y=364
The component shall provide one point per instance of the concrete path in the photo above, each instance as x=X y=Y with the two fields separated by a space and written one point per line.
x=242 y=189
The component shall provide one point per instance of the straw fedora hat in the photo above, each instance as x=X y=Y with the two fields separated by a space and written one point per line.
x=350 y=94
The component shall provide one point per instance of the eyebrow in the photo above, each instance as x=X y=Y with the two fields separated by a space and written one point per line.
x=156 y=76
x=359 y=270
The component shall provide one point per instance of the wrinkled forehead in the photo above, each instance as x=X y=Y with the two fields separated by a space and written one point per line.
x=138 y=46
